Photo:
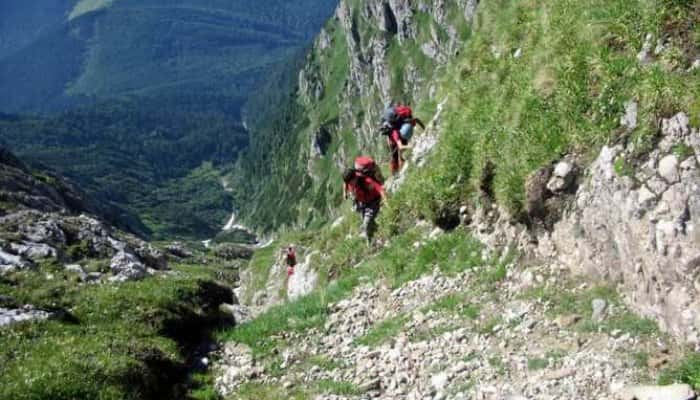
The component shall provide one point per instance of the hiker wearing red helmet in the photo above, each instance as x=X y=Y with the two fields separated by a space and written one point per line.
x=368 y=194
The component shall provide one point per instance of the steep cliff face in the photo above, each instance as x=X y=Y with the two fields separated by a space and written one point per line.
x=368 y=54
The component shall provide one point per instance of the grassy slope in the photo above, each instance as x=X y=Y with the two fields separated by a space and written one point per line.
x=121 y=341
x=565 y=94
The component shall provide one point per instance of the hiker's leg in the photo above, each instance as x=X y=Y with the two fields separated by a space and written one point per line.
x=361 y=207
x=370 y=216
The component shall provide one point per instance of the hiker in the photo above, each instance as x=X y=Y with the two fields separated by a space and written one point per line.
x=291 y=256
x=368 y=194
x=398 y=124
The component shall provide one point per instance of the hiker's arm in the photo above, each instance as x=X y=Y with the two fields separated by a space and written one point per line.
x=420 y=123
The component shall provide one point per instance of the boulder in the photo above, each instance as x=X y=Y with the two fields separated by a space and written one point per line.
x=77 y=270
x=562 y=177
x=599 y=306
x=151 y=256
x=126 y=266
x=34 y=251
x=178 y=250
x=668 y=168
x=241 y=314
x=24 y=314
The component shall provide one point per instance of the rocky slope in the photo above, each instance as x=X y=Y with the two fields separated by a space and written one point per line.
x=45 y=219
x=455 y=337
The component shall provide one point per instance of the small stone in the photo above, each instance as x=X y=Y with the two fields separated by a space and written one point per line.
x=599 y=307
x=439 y=381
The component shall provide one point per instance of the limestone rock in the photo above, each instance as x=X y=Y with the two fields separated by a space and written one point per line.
x=562 y=177
x=24 y=314
x=672 y=392
x=668 y=168
x=599 y=307
x=126 y=266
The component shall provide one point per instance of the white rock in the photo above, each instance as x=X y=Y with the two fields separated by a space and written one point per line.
x=668 y=168
x=629 y=119
x=439 y=381
x=672 y=392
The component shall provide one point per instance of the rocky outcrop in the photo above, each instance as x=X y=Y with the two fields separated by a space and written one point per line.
x=637 y=226
x=304 y=279
x=24 y=314
x=632 y=220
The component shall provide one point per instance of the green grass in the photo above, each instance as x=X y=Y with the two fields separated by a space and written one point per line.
x=565 y=94
x=327 y=386
x=565 y=300
x=686 y=371
x=458 y=304
x=683 y=151
x=121 y=342
x=382 y=331
x=535 y=364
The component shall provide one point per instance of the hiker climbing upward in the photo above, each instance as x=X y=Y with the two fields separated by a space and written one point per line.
x=398 y=124
x=291 y=257
x=368 y=194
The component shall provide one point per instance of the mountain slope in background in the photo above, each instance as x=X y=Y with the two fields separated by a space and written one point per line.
x=52 y=56
x=144 y=97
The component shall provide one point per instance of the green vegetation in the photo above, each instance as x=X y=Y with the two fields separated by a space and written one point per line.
x=382 y=331
x=682 y=151
x=565 y=300
x=534 y=364
x=111 y=341
x=457 y=303
x=686 y=371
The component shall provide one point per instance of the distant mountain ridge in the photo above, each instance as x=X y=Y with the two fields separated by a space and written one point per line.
x=53 y=54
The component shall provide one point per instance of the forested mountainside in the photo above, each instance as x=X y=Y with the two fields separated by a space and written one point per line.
x=140 y=101
x=55 y=54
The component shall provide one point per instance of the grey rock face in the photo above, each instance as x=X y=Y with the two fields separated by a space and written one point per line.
x=241 y=314
x=10 y=262
x=34 y=251
x=668 y=168
x=303 y=281
x=43 y=231
x=642 y=236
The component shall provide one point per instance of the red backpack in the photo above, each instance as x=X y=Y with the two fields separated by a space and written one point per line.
x=404 y=112
x=368 y=167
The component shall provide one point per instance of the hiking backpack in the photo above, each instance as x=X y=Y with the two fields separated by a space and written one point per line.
x=394 y=117
x=368 y=167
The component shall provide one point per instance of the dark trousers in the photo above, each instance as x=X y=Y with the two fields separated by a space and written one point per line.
x=368 y=213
